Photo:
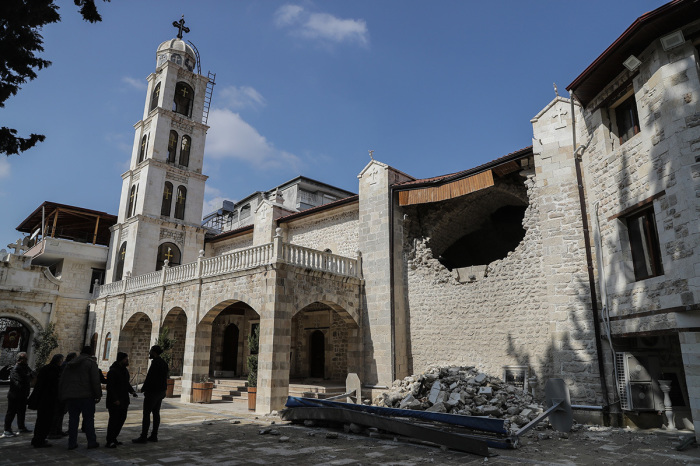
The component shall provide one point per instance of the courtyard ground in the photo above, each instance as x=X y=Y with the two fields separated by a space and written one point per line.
x=223 y=434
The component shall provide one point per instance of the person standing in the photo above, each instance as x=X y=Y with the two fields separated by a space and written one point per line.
x=153 y=390
x=20 y=380
x=79 y=387
x=60 y=411
x=44 y=399
x=118 y=390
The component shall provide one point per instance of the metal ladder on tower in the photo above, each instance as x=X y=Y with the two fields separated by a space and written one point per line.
x=207 y=96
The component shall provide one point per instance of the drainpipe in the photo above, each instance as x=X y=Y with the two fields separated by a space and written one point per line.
x=391 y=281
x=589 y=263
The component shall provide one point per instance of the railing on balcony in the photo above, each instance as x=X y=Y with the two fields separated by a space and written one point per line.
x=252 y=257
x=239 y=260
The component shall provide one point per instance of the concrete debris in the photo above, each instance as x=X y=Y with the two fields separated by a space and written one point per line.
x=283 y=439
x=274 y=432
x=265 y=431
x=332 y=435
x=462 y=390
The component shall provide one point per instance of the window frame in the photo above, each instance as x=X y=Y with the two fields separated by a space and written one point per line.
x=121 y=259
x=645 y=248
x=107 y=347
x=182 y=104
x=155 y=98
x=626 y=112
x=185 y=148
x=166 y=205
x=173 y=139
x=180 y=206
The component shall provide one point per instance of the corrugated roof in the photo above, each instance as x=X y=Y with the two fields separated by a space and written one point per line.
x=519 y=154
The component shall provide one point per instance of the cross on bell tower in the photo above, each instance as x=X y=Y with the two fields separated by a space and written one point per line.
x=180 y=25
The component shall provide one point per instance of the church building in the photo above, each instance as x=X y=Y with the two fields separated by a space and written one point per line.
x=576 y=257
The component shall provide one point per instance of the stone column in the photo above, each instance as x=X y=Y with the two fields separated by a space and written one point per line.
x=196 y=360
x=690 y=349
x=374 y=244
x=275 y=343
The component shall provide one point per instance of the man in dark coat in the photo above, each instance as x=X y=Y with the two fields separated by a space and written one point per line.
x=118 y=390
x=153 y=390
x=44 y=399
x=80 y=388
x=20 y=380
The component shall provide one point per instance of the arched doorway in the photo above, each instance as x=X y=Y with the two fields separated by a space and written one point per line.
x=229 y=329
x=317 y=354
x=176 y=321
x=14 y=338
x=230 y=349
x=324 y=343
x=135 y=340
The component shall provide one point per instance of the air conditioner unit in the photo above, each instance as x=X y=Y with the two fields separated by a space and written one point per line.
x=634 y=382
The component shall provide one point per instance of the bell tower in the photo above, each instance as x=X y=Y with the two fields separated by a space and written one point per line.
x=160 y=209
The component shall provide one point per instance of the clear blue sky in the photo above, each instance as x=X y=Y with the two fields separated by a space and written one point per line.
x=303 y=88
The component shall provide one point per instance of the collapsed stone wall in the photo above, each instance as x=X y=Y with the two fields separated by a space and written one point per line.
x=500 y=319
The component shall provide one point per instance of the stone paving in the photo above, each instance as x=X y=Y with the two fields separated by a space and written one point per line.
x=220 y=433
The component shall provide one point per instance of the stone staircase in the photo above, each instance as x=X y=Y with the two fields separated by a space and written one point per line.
x=236 y=390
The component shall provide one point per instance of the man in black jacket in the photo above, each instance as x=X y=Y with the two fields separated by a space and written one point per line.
x=153 y=390
x=44 y=399
x=118 y=390
x=20 y=379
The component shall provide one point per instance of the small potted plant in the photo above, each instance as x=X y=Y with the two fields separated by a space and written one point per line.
x=167 y=343
x=202 y=390
x=253 y=342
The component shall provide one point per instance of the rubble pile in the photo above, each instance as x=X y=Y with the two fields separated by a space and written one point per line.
x=462 y=390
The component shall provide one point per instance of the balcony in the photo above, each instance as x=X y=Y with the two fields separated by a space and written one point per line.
x=250 y=258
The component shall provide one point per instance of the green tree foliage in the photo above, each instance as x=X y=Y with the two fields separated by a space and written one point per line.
x=253 y=342
x=20 y=42
x=44 y=344
x=166 y=343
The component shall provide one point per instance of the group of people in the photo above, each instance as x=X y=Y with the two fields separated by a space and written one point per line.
x=74 y=385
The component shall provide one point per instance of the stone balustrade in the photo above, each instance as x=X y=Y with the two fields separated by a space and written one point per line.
x=256 y=256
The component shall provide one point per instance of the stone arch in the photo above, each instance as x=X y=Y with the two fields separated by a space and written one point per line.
x=135 y=340
x=209 y=339
x=350 y=314
x=176 y=321
x=31 y=324
x=341 y=341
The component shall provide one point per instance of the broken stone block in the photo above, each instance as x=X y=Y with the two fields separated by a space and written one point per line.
x=264 y=431
x=492 y=411
x=356 y=429
x=453 y=400
x=453 y=385
x=526 y=412
x=274 y=432
x=488 y=391
x=283 y=439
x=513 y=410
x=481 y=378
x=407 y=401
x=437 y=408
x=434 y=392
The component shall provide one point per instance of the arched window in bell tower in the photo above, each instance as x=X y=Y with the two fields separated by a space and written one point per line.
x=144 y=148
x=120 y=262
x=180 y=202
x=155 y=97
x=185 y=150
x=167 y=199
x=133 y=193
x=169 y=252
x=172 y=146
x=184 y=96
